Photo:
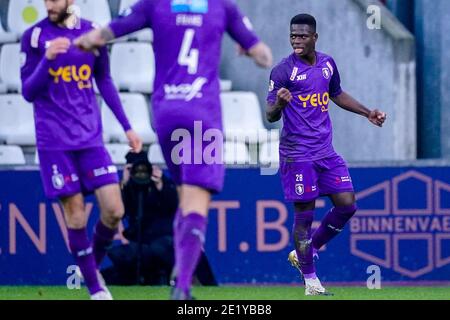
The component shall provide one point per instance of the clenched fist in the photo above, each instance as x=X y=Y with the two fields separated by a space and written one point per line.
x=377 y=117
x=56 y=47
x=284 y=96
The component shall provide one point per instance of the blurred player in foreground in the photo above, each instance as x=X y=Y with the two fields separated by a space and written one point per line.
x=187 y=45
x=58 y=79
x=301 y=87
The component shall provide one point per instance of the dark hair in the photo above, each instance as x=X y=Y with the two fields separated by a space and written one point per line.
x=137 y=159
x=305 y=18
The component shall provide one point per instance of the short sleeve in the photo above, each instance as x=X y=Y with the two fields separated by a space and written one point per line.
x=335 y=83
x=277 y=81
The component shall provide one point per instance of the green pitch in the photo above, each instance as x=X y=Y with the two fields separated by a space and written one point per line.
x=231 y=293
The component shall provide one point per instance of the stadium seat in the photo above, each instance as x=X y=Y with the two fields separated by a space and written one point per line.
x=269 y=153
x=11 y=155
x=226 y=85
x=145 y=35
x=136 y=109
x=16 y=120
x=22 y=14
x=10 y=67
x=155 y=154
x=133 y=66
x=3 y=88
x=6 y=37
x=235 y=153
x=118 y=152
x=36 y=157
x=97 y=11
x=242 y=119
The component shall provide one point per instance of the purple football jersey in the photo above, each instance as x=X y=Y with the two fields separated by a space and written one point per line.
x=66 y=112
x=307 y=130
x=187 y=46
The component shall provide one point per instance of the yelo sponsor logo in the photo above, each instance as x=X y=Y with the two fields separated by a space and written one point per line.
x=316 y=100
x=81 y=75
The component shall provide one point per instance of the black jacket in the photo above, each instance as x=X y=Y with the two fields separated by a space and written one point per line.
x=159 y=208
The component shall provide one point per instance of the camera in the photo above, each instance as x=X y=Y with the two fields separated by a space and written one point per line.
x=141 y=169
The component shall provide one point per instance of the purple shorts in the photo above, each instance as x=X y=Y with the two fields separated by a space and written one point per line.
x=66 y=173
x=306 y=181
x=202 y=173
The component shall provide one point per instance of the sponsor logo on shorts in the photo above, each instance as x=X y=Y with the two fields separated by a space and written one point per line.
x=104 y=171
x=299 y=189
x=343 y=179
x=346 y=179
x=310 y=189
x=57 y=178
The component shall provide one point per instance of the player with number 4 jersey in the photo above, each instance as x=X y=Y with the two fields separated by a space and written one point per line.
x=187 y=46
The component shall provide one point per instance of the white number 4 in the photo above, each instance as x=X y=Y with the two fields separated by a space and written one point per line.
x=188 y=57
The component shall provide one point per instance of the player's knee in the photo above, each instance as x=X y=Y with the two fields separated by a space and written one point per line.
x=113 y=215
x=74 y=213
x=348 y=200
x=347 y=211
x=76 y=220
x=304 y=206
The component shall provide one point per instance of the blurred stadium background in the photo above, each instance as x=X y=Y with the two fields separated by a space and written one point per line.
x=401 y=172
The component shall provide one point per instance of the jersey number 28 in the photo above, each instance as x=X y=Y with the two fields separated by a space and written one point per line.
x=188 y=56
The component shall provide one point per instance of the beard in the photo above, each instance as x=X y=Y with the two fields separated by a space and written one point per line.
x=59 y=17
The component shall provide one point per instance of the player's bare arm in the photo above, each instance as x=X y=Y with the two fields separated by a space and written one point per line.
x=94 y=39
x=347 y=102
x=134 y=141
x=273 y=111
x=261 y=54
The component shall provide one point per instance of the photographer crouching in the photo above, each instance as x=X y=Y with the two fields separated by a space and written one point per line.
x=151 y=200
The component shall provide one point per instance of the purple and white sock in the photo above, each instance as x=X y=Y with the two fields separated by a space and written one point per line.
x=190 y=238
x=301 y=232
x=83 y=253
x=333 y=223
x=102 y=239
